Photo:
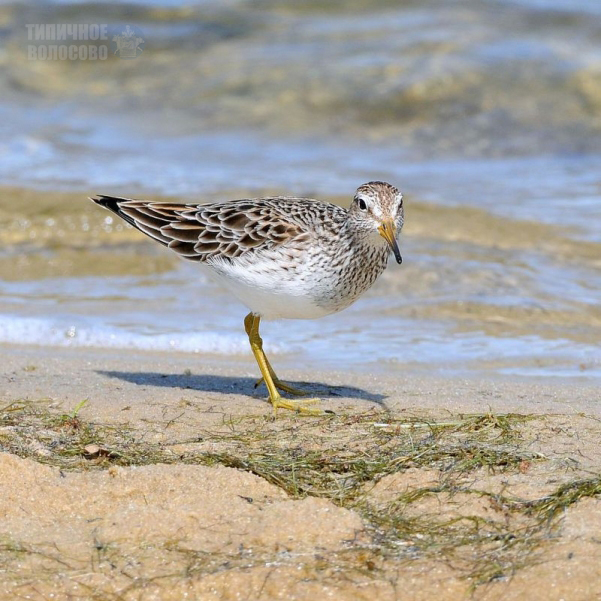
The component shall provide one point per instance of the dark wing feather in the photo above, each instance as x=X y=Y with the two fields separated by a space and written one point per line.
x=202 y=232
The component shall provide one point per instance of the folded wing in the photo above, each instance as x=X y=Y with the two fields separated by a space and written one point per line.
x=203 y=232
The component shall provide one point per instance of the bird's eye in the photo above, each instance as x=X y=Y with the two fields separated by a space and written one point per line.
x=362 y=205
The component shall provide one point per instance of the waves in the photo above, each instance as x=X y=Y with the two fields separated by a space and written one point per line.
x=48 y=332
x=462 y=78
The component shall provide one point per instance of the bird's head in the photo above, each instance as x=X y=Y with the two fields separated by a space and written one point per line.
x=377 y=210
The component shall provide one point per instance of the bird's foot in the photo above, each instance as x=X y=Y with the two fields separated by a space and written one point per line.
x=296 y=406
x=283 y=387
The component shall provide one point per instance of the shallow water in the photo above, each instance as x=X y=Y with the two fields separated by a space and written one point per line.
x=486 y=114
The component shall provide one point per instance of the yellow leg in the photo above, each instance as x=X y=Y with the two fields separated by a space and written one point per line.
x=279 y=384
x=251 y=325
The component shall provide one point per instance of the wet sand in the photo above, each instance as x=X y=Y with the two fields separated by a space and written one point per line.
x=491 y=506
x=477 y=291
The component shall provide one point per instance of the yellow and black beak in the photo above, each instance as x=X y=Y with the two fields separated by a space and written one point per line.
x=388 y=232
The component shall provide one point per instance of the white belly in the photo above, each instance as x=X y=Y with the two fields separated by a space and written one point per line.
x=288 y=297
x=271 y=305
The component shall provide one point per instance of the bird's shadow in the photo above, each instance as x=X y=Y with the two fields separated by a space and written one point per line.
x=234 y=385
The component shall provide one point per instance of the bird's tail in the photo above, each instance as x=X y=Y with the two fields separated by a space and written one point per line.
x=139 y=213
x=112 y=204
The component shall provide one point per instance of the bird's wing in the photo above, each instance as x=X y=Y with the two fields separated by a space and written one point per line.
x=202 y=232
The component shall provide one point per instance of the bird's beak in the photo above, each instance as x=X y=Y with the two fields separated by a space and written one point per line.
x=388 y=232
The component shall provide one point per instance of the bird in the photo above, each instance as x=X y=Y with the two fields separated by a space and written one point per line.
x=283 y=257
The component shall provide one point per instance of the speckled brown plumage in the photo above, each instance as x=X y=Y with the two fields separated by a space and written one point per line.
x=226 y=230
x=282 y=256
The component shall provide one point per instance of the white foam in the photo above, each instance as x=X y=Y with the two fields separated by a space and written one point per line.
x=82 y=333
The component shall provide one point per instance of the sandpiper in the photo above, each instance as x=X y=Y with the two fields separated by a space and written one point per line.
x=283 y=257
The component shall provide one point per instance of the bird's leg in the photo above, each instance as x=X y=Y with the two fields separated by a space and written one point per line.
x=251 y=325
x=279 y=384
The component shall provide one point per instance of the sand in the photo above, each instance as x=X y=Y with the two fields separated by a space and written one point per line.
x=178 y=495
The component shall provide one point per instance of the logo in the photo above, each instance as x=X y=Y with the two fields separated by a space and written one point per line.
x=129 y=43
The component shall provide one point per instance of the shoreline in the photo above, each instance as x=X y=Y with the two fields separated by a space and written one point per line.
x=39 y=372
x=499 y=301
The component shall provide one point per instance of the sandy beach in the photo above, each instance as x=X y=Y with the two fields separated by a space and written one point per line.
x=174 y=481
